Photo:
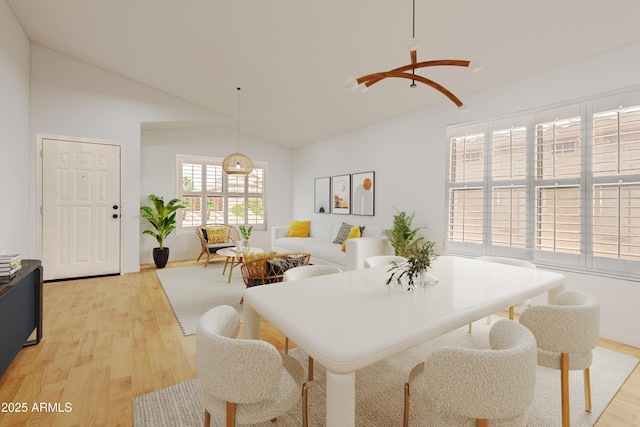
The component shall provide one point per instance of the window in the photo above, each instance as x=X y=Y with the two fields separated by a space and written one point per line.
x=212 y=196
x=466 y=195
x=560 y=187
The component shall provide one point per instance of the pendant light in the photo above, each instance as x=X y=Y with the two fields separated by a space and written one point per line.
x=237 y=163
x=409 y=71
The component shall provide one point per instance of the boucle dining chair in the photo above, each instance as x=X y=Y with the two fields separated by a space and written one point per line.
x=304 y=272
x=463 y=386
x=567 y=332
x=244 y=381
x=508 y=261
x=376 y=260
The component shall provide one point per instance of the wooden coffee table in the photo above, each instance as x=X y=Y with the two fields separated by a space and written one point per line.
x=234 y=258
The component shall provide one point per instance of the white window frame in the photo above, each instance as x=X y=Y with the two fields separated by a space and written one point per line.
x=225 y=193
x=584 y=261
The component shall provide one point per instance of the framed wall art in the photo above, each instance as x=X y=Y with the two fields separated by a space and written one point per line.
x=363 y=195
x=322 y=195
x=341 y=194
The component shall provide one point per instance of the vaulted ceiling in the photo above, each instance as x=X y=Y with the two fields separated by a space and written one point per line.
x=292 y=57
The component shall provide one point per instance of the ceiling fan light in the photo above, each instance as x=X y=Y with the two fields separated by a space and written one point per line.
x=362 y=88
x=475 y=65
x=464 y=108
x=412 y=44
x=351 y=84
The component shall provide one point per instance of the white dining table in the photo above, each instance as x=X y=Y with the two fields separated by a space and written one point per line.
x=350 y=320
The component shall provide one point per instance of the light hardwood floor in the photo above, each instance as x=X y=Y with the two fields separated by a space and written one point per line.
x=107 y=340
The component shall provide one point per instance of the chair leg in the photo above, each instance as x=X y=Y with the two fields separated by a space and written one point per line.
x=482 y=422
x=231 y=414
x=305 y=417
x=310 y=362
x=286 y=345
x=587 y=390
x=207 y=418
x=564 y=385
x=511 y=313
x=470 y=325
x=405 y=420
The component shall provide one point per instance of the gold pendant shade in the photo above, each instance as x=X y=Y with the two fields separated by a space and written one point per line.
x=237 y=164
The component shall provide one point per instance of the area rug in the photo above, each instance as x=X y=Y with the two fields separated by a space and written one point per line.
x=379 y=391
x=193 y=290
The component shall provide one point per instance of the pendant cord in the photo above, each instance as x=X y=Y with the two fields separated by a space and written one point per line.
x=413 y=35
x=238 y=120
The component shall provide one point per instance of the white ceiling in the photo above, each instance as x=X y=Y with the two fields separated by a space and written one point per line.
x=291 y=57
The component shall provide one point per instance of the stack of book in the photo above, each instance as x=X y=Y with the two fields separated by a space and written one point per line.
x=9 y=266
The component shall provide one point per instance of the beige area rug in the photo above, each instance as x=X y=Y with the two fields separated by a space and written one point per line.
x=193 y=290
x=379 y=391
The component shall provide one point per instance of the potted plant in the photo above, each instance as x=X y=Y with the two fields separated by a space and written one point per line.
x=403 y=236
x=246 y=234
x=419 y=259
x=163 y=219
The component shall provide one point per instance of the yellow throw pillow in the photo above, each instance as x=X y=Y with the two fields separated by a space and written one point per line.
x=217 y=235
x=299 y=228
x=251 y=256
x=353 y=233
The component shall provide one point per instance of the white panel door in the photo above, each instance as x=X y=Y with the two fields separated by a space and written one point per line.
x=80 y=209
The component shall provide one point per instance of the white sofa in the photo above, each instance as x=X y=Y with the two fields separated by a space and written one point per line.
x=324 y=251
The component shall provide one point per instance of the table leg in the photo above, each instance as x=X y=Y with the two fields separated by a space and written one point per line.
x=251 y=323
x=341 y=399
x=226 y=261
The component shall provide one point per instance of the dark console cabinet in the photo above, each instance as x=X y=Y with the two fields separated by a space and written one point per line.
x=20 y=311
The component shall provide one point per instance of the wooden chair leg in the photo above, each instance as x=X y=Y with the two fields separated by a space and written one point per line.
x=470 y=326
x=511 y=313
x=405 y=420
x=564 y=385
x=207 y=418
x=286 y=345
x=482 y=422
x=587 y=390
x=231 y=414
x=310 y=368
x=305 y=417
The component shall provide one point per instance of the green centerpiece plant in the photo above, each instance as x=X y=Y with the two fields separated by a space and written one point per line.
x=419 y=259
x=419 y=252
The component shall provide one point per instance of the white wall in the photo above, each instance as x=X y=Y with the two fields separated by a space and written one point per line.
x=408 y=155
x=17 y=170
x=72 y=98
x=158 y=176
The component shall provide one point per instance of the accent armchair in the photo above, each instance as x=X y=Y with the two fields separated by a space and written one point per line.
x=209 y=246
x=465 y=387
x=244 y=381
x=566 y=332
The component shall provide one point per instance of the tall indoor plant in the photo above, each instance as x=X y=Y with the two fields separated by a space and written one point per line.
x=163 y=219
x=403 y=235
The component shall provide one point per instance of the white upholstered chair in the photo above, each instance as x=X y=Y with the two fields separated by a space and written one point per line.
x=566 y=332
x=374 y=261
x=467 y=387
x=247 y=381
x=303 y=272
x=508 y=261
